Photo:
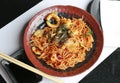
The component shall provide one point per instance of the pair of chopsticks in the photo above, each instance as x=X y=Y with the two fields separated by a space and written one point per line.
x=28 y=67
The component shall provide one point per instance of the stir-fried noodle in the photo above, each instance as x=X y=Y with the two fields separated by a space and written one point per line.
x=63 y=42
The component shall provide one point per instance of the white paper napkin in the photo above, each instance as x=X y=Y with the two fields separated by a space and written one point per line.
x=110 y=19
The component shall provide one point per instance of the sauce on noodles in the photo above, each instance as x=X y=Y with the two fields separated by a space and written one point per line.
x=63 y=42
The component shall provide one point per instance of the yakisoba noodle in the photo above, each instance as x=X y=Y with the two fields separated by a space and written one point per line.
x=62 y=46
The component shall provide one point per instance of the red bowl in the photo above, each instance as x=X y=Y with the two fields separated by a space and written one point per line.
x=38 y=20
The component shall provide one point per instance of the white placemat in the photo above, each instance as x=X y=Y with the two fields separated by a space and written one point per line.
x=110 y=19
